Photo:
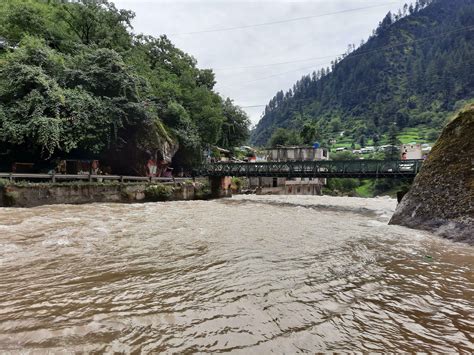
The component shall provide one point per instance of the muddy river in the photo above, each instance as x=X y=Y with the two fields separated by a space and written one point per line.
x=246 y=275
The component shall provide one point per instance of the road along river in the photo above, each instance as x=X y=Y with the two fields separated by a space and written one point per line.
x=249 y=275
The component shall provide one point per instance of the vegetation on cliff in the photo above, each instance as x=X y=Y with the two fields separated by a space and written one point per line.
x=412 y=73
x=74 y=81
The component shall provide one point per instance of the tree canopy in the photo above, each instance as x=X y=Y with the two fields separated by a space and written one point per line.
x=74 y=81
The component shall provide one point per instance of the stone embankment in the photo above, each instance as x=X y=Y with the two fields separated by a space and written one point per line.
x=32 y=195
x=441 y=199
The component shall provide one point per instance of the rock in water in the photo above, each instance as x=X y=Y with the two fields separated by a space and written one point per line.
x=441 y=199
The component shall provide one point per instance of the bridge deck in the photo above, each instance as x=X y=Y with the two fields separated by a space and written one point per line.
x=318 y=169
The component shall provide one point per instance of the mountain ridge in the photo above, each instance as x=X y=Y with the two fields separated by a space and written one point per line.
x=414 y=70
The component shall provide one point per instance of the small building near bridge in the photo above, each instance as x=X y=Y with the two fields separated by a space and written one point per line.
x=285 y=186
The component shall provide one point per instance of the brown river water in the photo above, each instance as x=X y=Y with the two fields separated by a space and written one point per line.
x=248 y=275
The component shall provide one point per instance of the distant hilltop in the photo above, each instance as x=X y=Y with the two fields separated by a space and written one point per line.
x=411 y=74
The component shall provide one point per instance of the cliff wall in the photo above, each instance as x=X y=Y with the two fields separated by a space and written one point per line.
x=441 y=199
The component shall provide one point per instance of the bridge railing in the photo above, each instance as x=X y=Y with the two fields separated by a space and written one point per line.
x=317 y=169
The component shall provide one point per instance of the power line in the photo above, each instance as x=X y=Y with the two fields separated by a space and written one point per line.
x=275 y=75
x=252 y=106
x=269 y=76
x=353 y=54
x=281 y=21
x=278 y=63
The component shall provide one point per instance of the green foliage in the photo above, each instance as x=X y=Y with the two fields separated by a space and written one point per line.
x=3 y=183
x=365 y=188
x=392 y=139
x=235 y=126
x=413 y=71
x=309 y=133
x=97 y=22
x=160 y=192
x=335 y=124
x=283 y=136
x=203 y=192
x=79 y=83
x=432 y=136
x=344 y=155
x=237 y=184
x=55 y=103
x=343 y=186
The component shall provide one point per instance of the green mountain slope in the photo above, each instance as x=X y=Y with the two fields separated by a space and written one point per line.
x=416 y=68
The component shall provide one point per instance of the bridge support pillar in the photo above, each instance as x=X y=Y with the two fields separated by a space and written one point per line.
x=220 y=186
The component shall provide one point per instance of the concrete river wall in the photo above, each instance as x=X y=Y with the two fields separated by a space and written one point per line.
x=32 y=195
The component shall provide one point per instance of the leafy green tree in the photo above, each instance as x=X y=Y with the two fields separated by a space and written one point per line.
x=335 y=125
x=235 y=127
x=56 y=104
x=97 y=22
x=343 y=186
x=279 y=137
x=376 y=140
x=309 y=133
x=344 y=155
x=81 y=84
x=392 y=152
x=284 y=136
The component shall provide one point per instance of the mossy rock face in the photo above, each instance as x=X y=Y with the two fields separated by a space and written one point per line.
x=442 y=196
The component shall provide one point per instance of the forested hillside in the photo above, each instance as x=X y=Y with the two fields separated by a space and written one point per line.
x=416 y=68
x=75 y=82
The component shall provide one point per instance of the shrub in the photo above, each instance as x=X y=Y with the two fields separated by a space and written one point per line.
x=4 y=182
x=203 y=192
x=237 y=184
x=158 y=192
x=10 y=198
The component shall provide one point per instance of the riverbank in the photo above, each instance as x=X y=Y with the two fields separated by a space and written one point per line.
x=23 y=194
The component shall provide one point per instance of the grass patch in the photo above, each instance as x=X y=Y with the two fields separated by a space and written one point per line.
x=366 y=189
x=420 y=135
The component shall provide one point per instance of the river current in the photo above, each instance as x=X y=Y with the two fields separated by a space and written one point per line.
x=281 y=274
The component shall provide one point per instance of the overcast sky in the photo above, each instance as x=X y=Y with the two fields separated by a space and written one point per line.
x=251 y=63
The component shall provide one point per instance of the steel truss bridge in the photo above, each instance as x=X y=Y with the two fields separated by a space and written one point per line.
x=364 y=169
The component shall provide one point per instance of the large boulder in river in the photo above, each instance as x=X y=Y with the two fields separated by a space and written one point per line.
x=441 y=199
